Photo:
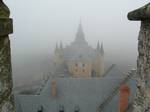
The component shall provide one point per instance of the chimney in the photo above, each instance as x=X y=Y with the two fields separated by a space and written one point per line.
x=124 y=97
x=53 y=88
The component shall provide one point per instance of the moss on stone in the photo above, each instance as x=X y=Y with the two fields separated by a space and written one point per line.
x=140 y=14
x=4 y=10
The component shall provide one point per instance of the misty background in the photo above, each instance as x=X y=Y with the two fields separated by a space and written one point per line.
x=39 y=24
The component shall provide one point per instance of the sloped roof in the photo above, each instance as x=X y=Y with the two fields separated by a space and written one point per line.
x=87 y=93
x=114 y=72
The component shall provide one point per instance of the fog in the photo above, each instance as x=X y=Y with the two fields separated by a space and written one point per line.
x=39 y=24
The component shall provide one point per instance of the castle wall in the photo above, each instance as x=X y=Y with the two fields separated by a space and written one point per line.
x=80 y=68
x=98 y=66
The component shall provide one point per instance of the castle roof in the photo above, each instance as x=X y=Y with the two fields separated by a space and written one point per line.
x=86 y=93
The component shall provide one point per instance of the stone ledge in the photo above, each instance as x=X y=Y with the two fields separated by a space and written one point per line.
x=6 y=26
x=140 y=14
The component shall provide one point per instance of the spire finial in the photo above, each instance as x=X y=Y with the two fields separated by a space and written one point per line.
x=80 y=33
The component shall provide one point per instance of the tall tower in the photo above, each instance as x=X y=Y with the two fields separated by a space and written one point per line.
x=102 y=60
x=99 y=60
x=6 y=83
x=58 y=55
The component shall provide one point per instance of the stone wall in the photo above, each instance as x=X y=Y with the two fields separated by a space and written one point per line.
x=143 y=71
x=6 y=102
x=6 y=97
x=142 y=101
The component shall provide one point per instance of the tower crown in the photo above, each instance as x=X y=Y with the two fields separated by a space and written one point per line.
x=80 y=37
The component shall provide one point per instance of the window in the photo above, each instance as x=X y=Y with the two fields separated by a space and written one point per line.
x=76 y=109
x=40 y=109
x=93 y=73
x=61 y=108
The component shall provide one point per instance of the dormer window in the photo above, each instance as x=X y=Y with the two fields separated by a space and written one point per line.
x=76 y=109
x=61 y=108
x=40 y=109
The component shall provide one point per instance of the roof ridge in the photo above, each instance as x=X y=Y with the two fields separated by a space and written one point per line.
x=115 y=91
x=109 y=69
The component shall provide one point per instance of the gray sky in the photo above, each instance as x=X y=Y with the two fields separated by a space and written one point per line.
x=39 y=24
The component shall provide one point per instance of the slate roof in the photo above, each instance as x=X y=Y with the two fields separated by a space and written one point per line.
x=86 y=93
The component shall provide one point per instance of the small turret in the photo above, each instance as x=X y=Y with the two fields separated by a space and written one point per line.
x=102 y=50
x=56 y=48
x=99 y=67
x=61 y=45
x=98 y=46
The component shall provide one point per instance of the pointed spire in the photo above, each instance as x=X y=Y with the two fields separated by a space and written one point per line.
x=80 y=33
x=98 y=46
x=102 y=49
x=61 y=45
x=56 y=48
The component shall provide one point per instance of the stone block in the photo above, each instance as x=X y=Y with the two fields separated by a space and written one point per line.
x=6 y=26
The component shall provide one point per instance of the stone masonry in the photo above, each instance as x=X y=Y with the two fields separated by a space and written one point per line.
x=142 y=101
x=6 y=98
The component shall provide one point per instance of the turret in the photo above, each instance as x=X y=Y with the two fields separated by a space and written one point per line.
x=99 y=60
x=56 y=49
x=98 y=47
x=58 y=59
x=61 y=45
x=102 y=50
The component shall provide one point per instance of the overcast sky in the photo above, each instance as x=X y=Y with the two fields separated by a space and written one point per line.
x=39 y=24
